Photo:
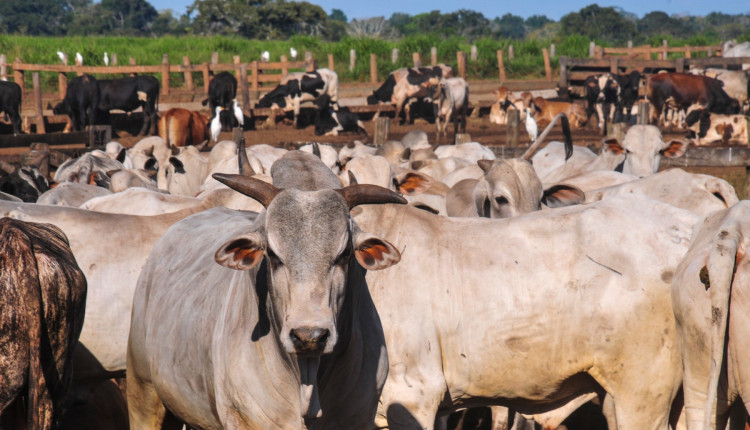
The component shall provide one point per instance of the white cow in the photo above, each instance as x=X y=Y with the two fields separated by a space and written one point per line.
x=291 y=343
x=710 y=297
x=531 y=311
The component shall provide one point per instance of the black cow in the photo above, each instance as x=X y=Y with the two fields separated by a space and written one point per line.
x=10 y=103
x=81 y=102
x=26 y=183
x=222 y=91
x=331 y=119
x=684 y=89
x=296 y=88
x=128 y=94
x=629 y=85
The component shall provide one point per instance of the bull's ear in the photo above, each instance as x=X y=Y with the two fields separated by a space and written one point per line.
x=674 y=148
x=151 y=164
x=485 y=165
x=411 y=182
x=561 y=195
x=613 y=145
x=242 y=252
x=178 y=166
x=374 y=253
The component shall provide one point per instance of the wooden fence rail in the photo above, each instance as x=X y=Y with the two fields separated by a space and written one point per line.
x=645 y=52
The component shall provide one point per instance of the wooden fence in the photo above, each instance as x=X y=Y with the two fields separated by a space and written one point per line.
x=647 y=52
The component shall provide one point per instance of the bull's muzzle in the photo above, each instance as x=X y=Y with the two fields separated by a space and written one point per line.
x=309 y=340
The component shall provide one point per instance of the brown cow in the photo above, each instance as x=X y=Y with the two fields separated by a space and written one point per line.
x=42 y=301
x=686 y=89
x=548 y=109
x=181 y=127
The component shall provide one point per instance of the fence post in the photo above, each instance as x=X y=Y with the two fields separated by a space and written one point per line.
x=243 y=87
x=563 y=83
x=330 y=62
x=679 y=65
x=461 y=57
x=206 y=76
x=165 y=74
x=552 y=52
x=547 y=65
x=373 y=68
x=511 y=52
x=38 y=103
x=188 y=73
x=643 y=108
x=3 y=67
x=710 y=52
x=688 y=54
x=592 y=48
x=18 y=76
x=664 y=49
x=311 y=62
x=254 y=81
x=114 y=60
x=512 y=128
x=394 y=55
x=352 y=59
x=62 y=78
x=416 y=59
x=433 y=56
x=473 y=52
x=131 y=61
x=382 y=126
x=614 y=65
x=284 y=65
x=214 y=58
x=500 y=65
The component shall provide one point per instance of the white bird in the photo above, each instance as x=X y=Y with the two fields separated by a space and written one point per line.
x=79 y=58
x=63 y=57
x=265 y=56
x=216 y=125
x=106 y=59
x=531 y=126
x=238 y=113
x=293 y=52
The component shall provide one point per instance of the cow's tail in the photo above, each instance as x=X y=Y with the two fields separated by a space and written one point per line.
x=720 y=266
x=18 y=259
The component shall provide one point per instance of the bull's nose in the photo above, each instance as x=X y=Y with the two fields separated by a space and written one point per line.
x=309 y=340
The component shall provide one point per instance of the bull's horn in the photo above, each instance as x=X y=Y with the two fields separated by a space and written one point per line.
x=259 y=190
x=368 y=194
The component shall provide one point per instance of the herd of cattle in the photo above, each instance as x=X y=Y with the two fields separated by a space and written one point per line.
x=408 y=285
x=370 y=287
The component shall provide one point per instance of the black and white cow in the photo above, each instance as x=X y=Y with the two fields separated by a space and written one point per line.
x=451 y=101
x=408 y=83
x=299 y=87
x=10 y=103
x=331 y=119
x=128 y=94
x=80 y=103
x=26 y=183
x=603 y=96
x=222 y=92
x=630 y=85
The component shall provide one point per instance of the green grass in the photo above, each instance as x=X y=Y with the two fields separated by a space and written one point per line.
x=527 y=62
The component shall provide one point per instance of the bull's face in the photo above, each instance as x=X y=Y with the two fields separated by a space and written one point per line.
x=310 y=244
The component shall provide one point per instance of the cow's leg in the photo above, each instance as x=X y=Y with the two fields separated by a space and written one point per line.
x=145 y=409
x=411 y=396
x=296 y=111
x=600 y=114
x=15 y=118
x=399 y=107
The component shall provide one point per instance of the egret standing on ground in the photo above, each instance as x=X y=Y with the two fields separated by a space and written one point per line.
x=531 y=126
x=265 y=56
x=293 y=52
x=216 y=125
x=238 y=113
x=79 y=58
x=106 y=59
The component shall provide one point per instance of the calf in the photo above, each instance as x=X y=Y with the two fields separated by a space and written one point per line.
x=80 y=103
x=331 y=121
x=706 y=127
x=451 y=99
x=181 y=127
x=43 y=295
x=10 y=103
x=222 y=91
x=549 y=109
x=299 y=87
x=499 y=107
x=129 y=94
x=630 y=84
x=686 y=89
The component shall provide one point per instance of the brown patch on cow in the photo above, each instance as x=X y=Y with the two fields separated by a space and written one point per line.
x=703 y=276
x=666 y=276
x=715 y=315
x=725 y=131
x=413 y=184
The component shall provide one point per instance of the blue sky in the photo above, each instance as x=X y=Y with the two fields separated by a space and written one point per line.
x=554 y=9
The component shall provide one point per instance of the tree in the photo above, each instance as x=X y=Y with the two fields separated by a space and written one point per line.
x=535 y=22
x=660 y=24
x=598 y=23
x=38 y=17
x=337 y=15
x=510 y=26
x=130 y=16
